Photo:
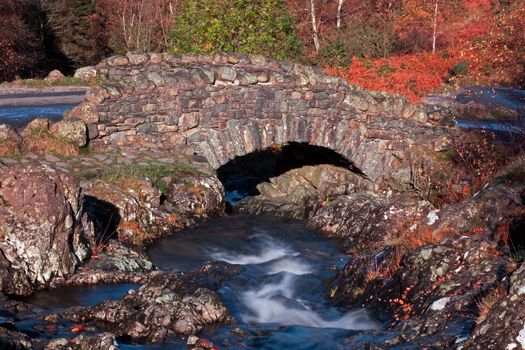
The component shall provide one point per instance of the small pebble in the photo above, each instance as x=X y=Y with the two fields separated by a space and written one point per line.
x=192 y=340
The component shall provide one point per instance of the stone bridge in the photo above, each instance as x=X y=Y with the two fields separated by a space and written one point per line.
x=224 y=106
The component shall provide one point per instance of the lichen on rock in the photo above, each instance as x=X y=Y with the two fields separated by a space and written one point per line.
x=45 y=231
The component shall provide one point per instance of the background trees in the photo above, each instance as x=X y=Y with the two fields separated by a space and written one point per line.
x=427 y=25
x=248 y=26
x=138 y=25
x=21 y=44
x=379 y=43
x=74 y=29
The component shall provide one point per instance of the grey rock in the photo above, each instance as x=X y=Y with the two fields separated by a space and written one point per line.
x=45 y=232
x=226 y=73
x=74 y=131
x=85 y=73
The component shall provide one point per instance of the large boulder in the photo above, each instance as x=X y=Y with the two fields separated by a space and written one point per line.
x=194 y=197
x=62 y=140
x=501 y=321
x=44 y=232
x=365 y=221
x=73 y=131
x=86 y=112
x=495 y=204
x=86 y=73
x=294 y=193
x=167 y=305
x=136 y=210
x=104 y=341
x=432 y=294
x=14 y=340
x=54 y=76
x=116 y=263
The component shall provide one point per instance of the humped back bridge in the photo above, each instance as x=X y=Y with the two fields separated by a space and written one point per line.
x=224 y=106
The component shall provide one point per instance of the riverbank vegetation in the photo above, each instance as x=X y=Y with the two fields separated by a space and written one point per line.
x=409 y=47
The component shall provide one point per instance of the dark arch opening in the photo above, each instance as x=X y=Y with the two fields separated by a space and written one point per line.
x=241 y=175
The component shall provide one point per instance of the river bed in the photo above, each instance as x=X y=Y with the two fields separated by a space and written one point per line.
x=278 y=300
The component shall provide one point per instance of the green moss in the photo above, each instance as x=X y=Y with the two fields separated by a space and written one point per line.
x=125 y=265
x=459 y=69
x=88 y=173
x=155 y=172
x=85 y=150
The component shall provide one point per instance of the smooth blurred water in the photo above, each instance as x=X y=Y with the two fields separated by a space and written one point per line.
x=62 y=298
x=279 y=299
x=492 y=97
x=56 y=300
x=496 y=126
x=19 y=116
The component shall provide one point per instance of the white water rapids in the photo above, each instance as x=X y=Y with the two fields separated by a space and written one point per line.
x=277 y=300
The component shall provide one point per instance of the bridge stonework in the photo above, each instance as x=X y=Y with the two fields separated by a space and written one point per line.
x=224 y=106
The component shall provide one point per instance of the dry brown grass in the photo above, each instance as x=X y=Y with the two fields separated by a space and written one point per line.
x=41 y=141
x=372 y=271
x=10 y=148
x=408 y=235
x=503 y=231
x=131 y=230
x=514 y=171
x=64 y=81
x=486 y=303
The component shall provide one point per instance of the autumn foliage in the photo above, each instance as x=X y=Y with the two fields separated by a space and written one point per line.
x=487 y=38
x=411 y=47
x=19 y=46
x=138 y=25
x=494 y=46
x=411 y=75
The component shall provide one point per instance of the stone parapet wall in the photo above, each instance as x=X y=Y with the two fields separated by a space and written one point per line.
x=224 y=106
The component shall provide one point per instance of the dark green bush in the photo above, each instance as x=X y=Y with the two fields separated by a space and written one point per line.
x=459 y=69
x=334 y=54
x=245 y=26
x=372 y=38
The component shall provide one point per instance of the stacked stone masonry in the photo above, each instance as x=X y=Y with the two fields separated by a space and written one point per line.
x=224 y=106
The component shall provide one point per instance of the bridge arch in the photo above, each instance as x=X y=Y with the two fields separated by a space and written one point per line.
x=225 y=106
x=242 y=175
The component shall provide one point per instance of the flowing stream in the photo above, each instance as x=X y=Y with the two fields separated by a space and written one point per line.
x=278 y=300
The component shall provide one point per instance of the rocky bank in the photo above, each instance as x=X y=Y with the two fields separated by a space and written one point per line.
x=437 y=277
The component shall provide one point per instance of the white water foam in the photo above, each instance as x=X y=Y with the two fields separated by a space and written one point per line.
x=270 y=250
x=291 y=265
x=275 y=303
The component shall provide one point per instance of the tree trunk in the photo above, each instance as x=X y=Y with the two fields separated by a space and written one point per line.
x=339 y=8
x=435 y=25
x=315 y=34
